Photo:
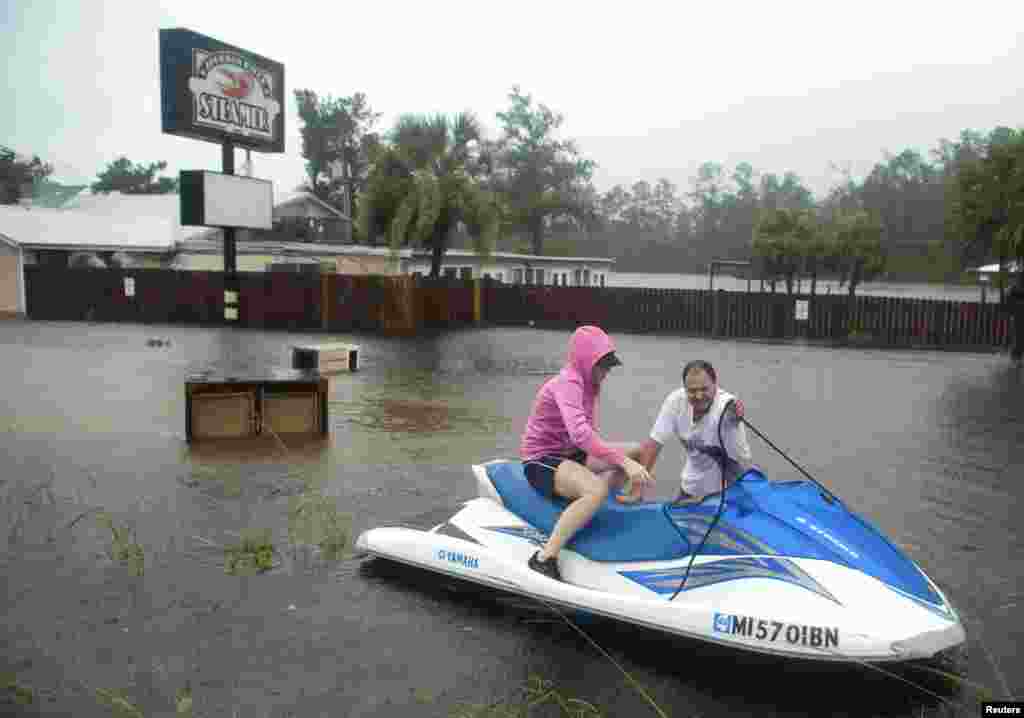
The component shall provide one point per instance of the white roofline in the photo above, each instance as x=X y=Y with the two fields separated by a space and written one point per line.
x=425 y=254
x=212 y=246
x=1011 y=267
x=208 y=246
x=9 y=241
x=311 y=196
x=133 y=249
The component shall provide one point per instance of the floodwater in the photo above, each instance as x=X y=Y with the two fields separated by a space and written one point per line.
x=927 y=445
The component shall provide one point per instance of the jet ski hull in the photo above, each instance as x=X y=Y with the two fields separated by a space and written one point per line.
x=799 y=606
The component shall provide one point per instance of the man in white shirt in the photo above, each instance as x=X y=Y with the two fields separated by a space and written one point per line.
x=706 y=420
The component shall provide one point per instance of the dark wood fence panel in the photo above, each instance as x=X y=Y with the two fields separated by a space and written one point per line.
x=333 y=302
x=444 y=302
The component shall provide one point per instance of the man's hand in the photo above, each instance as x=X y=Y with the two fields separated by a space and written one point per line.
x=737 y=410
x=635 y=471
x=637 y=480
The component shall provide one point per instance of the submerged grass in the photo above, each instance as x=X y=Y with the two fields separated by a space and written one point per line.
x=23 y=695
x=123 y=548
x=254 y=553
x=314 y=519
x=118 y=703
x=183 y=702
x=121 y=707
x=537 y=692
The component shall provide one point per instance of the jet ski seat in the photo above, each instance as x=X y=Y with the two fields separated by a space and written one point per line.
x=616 y=533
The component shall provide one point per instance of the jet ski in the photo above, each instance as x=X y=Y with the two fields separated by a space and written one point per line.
x=775 y=567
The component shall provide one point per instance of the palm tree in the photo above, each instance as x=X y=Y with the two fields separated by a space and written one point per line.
x=425 y=181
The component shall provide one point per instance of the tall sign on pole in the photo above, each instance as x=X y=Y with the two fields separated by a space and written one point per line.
x=216 y=92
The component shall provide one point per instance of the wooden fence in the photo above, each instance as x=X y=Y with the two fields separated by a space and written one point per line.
x=403 y=305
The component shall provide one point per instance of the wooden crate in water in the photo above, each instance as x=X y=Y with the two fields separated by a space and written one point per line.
x=218 y=415
x=291 y=413
x=326 y=358
x=277 y=401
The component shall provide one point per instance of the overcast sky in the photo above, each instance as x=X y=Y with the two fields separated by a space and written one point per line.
x=648 y=89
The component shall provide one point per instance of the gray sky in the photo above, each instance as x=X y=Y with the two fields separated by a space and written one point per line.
x=648 y=89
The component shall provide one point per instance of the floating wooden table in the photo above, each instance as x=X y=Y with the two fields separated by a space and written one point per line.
x=225 y=404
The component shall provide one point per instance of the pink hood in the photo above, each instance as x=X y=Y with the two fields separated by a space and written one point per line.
x=564 y=413
x=586 y=346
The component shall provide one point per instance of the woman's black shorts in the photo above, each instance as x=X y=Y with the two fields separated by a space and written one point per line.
x=540 y=472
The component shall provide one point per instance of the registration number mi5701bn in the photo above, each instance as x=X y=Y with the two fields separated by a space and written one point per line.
x=762 y=629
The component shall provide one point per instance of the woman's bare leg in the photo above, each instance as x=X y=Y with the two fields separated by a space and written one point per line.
x=574 y=481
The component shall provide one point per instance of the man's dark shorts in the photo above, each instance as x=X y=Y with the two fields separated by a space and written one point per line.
x=541 y=472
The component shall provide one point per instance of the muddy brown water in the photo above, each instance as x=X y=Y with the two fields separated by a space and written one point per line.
x=927 y=445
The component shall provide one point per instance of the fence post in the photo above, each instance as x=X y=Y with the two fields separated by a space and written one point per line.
x=325 y=301
x=477 y=303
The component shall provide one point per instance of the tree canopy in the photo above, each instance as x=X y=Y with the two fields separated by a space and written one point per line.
x=785 y=241
x=426 y=181
x=124 y=176
x=986 y=197
x=541 y=177
x=337 y=140
x=18 y=174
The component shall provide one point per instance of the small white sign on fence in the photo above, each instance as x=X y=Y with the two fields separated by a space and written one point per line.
x=801 y=310
x=129 y=286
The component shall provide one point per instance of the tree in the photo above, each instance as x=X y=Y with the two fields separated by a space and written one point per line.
x=819 y=251
x=426 y=181
x=906 y=193
x=784 y=239
x=785 y=193
x=337 y=141
x=711 y=197
x=986 y=200
x=643 y=207
x=121 y=175
x=541 y=177
x=18 y=174
x=858 y=247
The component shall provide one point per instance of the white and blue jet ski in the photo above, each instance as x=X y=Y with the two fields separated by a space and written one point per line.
x=786 y=568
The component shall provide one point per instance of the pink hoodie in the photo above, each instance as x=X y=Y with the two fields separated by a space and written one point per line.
x=563 y=417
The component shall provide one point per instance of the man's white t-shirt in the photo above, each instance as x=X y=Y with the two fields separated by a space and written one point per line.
x=701 y=473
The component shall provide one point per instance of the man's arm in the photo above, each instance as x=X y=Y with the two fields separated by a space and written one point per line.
x=736 y=441
x=647 y=453
x=664 y=427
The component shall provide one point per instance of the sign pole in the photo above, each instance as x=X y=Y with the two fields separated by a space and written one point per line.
x=228 y=167
x=231 y=294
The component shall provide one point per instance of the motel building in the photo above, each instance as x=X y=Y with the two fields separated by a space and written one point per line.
x=512 y=268
x=143 y=231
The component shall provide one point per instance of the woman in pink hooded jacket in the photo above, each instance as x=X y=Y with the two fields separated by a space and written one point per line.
x=561 y=450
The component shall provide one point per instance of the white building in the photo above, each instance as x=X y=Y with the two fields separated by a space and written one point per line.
x=144 y=231
x=514 y=268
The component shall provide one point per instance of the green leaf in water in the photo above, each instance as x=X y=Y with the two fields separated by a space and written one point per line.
x=183 y=702
x=118 y=703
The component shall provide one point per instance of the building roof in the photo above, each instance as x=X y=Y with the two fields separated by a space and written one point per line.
x=113 y=222
x=215 y=246
x=150 y=223
x=45 y=228
x=534 y=258
x=99 y=222
x=287 y=198
x=283 y=200
x=204 y=245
